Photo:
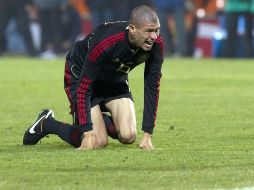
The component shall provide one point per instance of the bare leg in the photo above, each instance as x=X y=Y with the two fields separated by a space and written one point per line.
x=101 y=137
x=124 y=118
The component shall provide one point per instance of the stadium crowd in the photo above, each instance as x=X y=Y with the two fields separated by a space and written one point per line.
x=49 y=28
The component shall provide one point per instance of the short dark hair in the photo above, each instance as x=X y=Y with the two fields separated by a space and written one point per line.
x=141 y=14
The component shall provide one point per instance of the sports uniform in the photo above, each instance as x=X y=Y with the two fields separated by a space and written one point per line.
x=97 y=68
x=96 y=73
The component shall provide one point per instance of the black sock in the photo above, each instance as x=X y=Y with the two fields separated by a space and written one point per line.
x=110 y=127
x=69 y=133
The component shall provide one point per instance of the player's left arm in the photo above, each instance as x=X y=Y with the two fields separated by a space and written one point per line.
x=152 y=78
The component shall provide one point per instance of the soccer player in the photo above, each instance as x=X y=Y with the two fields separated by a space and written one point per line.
x=96 y=83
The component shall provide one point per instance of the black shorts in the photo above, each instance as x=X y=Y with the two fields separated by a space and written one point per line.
x=102 y=91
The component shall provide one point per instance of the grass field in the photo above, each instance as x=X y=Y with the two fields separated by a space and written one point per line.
x=204 y=136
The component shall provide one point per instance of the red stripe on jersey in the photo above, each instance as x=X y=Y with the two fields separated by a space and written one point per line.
x=67 y=74
x=157 y=100
x=81 y=100
x=103 y=45
x=67 y=79
x=160 y=41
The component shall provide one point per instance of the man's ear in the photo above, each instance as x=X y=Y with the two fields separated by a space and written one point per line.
x=132 y=29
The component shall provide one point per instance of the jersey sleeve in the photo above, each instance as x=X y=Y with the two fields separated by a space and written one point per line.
x=92 y=64
x=152 y=77
x=98 y=53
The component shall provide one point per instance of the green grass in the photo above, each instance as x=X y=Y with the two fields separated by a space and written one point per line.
x=204 y=136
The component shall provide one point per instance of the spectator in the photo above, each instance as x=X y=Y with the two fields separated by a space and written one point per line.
x=16 y=9
x=102 y=11
x=235 y=9
x=121 y=11
x=175 y=8
x=81 y=7
x=85 y=16
x=50 y=26
x=252 y=12
x=70 y=27
x=191 y=27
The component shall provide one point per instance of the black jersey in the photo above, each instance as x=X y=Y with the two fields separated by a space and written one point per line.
x=106 y=54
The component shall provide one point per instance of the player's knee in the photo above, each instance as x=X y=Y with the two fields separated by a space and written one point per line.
x=128 y=137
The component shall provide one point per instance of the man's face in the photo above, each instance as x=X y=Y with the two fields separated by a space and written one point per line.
x=144 y=36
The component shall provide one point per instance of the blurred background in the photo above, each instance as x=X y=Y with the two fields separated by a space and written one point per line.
x=191 y=28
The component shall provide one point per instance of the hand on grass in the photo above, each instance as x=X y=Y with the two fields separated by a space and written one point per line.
x=88 y=142
x=146 y=142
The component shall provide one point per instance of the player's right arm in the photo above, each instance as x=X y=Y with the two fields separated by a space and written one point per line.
x=91 y=66
x=99 y=50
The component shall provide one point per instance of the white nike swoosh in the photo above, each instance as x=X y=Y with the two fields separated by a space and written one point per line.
x=50 y=113
x=31 y=130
